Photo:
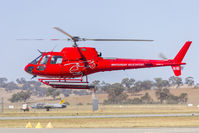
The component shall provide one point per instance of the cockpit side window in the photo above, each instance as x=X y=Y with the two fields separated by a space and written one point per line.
x=56 y=60
x=45 y=59
x=35 y=61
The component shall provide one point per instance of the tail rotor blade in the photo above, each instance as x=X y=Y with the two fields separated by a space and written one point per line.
x=162 y=56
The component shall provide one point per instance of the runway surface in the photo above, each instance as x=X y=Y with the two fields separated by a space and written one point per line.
x=100 y=116
x=102 y=130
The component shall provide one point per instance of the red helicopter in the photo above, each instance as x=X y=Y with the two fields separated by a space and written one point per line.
x=67 y=68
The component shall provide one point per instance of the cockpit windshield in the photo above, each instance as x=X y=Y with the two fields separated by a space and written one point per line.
x=45 y=59
x=35 y=61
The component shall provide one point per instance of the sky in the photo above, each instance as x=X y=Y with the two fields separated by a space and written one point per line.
x=170 y=23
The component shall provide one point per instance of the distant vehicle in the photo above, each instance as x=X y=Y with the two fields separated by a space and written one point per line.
x=25 y=107
x=49 y=106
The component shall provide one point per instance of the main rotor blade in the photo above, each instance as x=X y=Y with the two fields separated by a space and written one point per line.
x=38 y=39
x=71 y=37
x=85 y=39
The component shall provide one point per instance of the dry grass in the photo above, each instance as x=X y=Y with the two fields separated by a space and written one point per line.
x=193 y=94
x=106 y=110
x=108 y=122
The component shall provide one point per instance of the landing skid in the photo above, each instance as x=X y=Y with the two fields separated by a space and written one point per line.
x=64 y=83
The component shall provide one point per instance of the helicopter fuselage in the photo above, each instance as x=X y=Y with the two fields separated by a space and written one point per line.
x=74 y=62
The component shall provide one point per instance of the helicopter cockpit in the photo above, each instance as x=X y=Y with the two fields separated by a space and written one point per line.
x=55 y=59
x=40 y=63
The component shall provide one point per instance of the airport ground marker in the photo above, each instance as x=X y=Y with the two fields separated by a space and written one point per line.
x=28 y=125
x=38 y=125
x=49 y=125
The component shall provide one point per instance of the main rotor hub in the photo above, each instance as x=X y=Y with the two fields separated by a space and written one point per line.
x=76 y=38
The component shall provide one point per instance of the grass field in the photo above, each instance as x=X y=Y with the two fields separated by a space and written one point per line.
x=105 y=110
x=108 y=122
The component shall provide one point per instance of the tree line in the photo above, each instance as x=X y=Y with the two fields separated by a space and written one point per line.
x=117 y=92
x=133 y=86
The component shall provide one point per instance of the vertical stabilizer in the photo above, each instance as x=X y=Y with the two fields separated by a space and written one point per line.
x=179 y=57
x=62 y=101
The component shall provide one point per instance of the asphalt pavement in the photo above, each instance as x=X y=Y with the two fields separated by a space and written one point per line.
x=101 y=130
x=100 y=116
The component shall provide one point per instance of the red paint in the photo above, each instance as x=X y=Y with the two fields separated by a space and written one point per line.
x=82 y=61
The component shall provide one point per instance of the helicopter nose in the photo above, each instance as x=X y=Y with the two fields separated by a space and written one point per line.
x=29 y=68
